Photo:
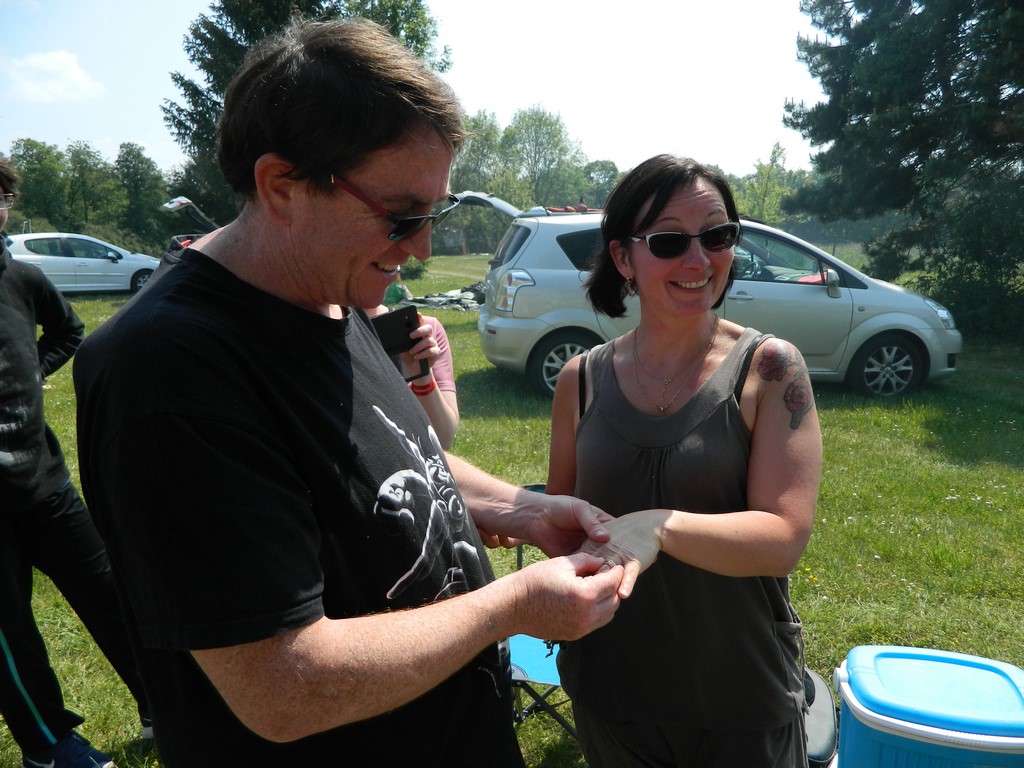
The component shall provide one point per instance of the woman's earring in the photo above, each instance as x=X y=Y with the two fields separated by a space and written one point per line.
x=630 y=287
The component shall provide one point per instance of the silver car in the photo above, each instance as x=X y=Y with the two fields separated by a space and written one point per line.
x=79 y=263
x=878 y=338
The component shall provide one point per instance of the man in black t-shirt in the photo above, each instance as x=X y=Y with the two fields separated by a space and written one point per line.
x=302 y=564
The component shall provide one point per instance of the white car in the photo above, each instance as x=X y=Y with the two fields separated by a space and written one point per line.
x=878 y=338
x=79 y=263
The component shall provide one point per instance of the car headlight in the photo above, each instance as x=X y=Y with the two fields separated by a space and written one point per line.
x=945 y=316
x=511 y=282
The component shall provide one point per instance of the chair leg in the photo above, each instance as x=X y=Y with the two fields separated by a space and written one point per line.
x=540 y=702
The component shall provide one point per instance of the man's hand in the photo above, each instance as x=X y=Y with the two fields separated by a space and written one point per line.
x=560 y=525
x=566 y=597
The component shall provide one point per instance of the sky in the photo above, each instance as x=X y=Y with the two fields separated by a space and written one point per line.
x=629 y=80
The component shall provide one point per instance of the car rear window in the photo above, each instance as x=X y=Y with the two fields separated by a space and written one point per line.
x=44 y=246
x=510 y=244
x=581 y=246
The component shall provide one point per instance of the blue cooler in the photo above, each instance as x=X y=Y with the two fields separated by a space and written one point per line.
x=921 y=708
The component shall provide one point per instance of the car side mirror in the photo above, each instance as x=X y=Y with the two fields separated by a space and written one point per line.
x=113 y=256
x=832 y=283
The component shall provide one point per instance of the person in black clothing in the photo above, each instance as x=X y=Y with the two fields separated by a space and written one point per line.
x=303 y=564
x=43 y=522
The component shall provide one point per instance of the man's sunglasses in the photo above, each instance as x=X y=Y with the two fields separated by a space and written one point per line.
x=405 y=226
x=668 y=245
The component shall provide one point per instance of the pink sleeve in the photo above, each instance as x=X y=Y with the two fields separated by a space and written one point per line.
x=443 y=368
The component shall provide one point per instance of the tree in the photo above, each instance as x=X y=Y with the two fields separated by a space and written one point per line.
x=531 y=162
x=42 y=170
x=479 y=159
x=924 y=116
x=410 y=22
x=476 y=168
x=145 y=191
x=760 y=196
x=601 y=177
x=77 y=190
x=95 y=196
x=216 y=45
x=918 y=92
x=537 y=149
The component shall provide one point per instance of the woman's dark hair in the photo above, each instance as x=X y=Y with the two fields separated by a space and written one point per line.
x=657 y=180
x=324 y=95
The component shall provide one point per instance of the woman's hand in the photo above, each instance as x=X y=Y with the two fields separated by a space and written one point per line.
x=636 y=539
x=425 y=349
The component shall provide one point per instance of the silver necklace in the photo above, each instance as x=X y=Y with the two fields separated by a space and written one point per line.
x=665 y=382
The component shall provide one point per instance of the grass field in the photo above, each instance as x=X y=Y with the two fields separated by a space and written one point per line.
x=917 y=539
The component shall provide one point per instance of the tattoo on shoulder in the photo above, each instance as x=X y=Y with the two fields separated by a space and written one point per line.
x=776 y=361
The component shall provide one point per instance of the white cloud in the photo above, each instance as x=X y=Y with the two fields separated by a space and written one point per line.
x=53 y=77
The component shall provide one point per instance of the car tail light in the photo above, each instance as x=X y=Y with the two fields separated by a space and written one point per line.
x=510 y=283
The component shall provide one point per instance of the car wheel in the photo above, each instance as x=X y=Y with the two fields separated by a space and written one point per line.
x=886 y=366
x=552 y=353
x=139 y=279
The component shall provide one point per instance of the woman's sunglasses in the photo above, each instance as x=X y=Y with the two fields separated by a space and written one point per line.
x=668 y=245
x=405 y=226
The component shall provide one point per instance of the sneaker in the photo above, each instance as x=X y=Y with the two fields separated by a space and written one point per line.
x=144 y=744
x=146 y=734
x=72 y=751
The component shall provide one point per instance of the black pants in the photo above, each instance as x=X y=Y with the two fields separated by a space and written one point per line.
x=609 y=743
x=57 y=537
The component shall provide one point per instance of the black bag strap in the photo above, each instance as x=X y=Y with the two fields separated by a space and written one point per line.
x=747 y=358
x=583 y=381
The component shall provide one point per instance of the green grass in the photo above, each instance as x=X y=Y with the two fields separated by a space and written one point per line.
x=917 y=538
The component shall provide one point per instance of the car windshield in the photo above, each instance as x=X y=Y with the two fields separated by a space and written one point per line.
x=763 y=257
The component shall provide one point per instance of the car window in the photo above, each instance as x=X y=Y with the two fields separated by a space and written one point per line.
x=510 y=244
x=581 y=246
x=87 y=249
x=766 y=258
x=44 y=246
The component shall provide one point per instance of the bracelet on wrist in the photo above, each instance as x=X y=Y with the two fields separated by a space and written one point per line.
x=422 y=390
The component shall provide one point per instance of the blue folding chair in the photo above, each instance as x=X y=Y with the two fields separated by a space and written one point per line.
x=535 y=674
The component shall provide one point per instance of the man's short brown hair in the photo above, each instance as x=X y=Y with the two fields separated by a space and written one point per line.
x=325 y=95
x=10 y=180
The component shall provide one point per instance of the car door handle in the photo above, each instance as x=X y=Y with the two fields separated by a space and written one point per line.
x=740 y=296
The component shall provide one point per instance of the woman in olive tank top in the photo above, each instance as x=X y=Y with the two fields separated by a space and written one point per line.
x=702 y=439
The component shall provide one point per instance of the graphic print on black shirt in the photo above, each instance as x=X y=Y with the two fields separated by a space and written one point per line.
x=405 y=495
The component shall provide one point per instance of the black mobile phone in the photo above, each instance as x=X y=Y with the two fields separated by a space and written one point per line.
x=393 y=329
